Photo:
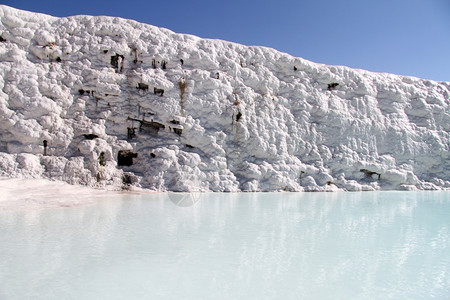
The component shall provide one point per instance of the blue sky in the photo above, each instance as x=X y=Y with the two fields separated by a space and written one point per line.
x=407 y=37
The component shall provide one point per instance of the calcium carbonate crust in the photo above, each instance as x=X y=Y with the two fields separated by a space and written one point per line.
x=113 y=103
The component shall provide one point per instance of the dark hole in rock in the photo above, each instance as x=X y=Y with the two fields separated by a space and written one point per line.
x=45 y=147
x=295 y=68
x=150 y=127
x=125 y=157
x=2 y=39
x=117 y=62
x=175 y=122
x=178 y=131
x=152 y=155
x=115 y=59
x=332 y=86
x=182 y=61
x=238 y=116
x=163 y=64
x=90 y=136
x=126 y=179
x=157 y=91
x=58 y=59
x=370 y=173
x=189 y=146
x=131 y=132
x=81 y=91
x=105 y=51
x=142 y=86
x=101 y=159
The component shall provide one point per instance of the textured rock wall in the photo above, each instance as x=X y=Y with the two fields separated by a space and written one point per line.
x=108 y=102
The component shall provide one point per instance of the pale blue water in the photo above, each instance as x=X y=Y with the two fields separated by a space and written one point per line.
x=373 y=245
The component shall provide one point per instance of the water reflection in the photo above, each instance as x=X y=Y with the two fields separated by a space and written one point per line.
x=184 y=199
x=232 y=246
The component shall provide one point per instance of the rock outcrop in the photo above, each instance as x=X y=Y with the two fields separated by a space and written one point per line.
x=109 y=102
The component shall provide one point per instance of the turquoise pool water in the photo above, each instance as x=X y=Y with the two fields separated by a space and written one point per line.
x=373 y=245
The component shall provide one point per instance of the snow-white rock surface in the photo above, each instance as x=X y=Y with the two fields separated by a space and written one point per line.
x=19 y=194
x=206 y=115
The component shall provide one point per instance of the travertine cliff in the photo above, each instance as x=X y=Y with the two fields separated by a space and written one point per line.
x=108 y=102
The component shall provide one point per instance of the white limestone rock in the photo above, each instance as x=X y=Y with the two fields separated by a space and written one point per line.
x=112 y=103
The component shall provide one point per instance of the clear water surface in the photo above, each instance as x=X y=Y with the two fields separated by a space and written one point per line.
x=373 y=245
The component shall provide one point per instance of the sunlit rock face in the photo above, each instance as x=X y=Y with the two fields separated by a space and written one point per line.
x=109 y=102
